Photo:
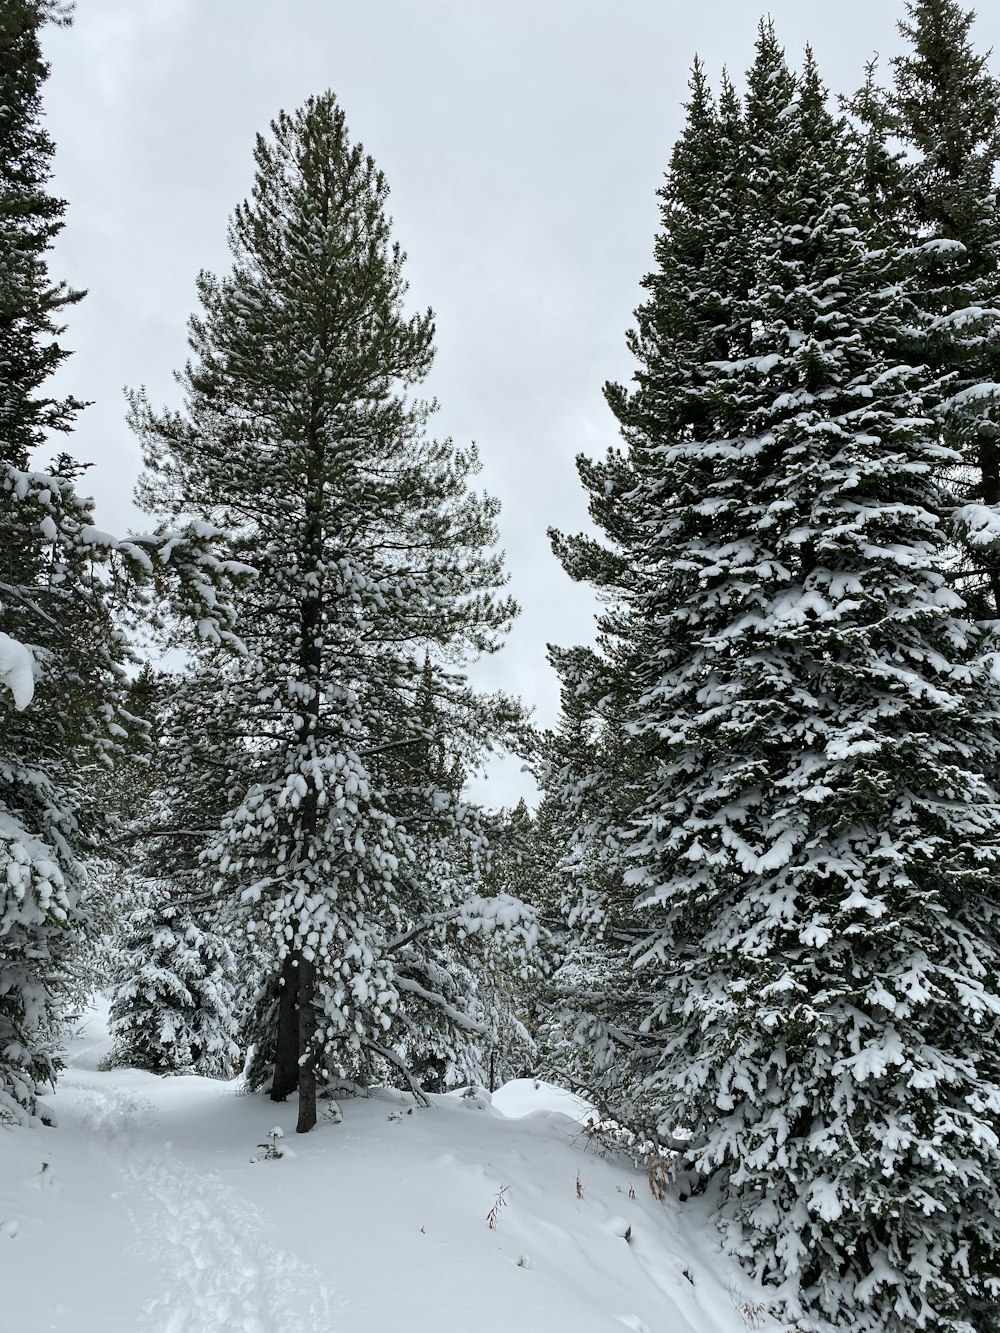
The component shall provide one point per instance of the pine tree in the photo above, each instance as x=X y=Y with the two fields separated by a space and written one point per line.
x=65 y=590
x=175 y=1005
x=174 y=1009
x=301 y=433
x=815 y=861
x=945 y=109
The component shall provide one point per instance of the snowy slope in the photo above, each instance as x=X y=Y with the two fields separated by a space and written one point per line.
x=144 y=1211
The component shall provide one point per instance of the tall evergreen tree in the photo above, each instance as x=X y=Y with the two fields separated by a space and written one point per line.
x=65 y=590
x=946 y=104
x=300 y=432
x=54 y=643
x=30 y=219
x=814 y=863
x=945 y=109
x=597 y=769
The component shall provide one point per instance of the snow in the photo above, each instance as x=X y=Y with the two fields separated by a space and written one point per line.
x=980 y=524
x=530 y=1096
x=153 y=1207
x=975 y=393
x=942 y=246
x=17 y=670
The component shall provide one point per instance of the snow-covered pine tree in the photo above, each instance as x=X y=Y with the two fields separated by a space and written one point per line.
x=301 y=433
x=816 y=863
x=595 y=769
x=945 y=109
x=175 y=1006
x=65 y=590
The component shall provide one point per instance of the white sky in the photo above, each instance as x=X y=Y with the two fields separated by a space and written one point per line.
x=523 y=141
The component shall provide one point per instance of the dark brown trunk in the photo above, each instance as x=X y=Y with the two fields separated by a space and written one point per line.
x=989 y=467
x=307 y=1063
x=286 y=1060
x=311 y=668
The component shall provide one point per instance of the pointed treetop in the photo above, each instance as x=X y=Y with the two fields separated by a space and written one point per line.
x=30 y=219
x=771 y=86
x=813 y=94
x=944 y=93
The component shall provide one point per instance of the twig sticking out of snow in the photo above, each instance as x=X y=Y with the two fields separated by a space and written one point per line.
x=499 y=1202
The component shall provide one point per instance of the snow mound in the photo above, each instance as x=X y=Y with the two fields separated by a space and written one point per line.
x=528 y=1096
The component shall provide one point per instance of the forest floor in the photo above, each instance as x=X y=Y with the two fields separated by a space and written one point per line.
x=151 y=1208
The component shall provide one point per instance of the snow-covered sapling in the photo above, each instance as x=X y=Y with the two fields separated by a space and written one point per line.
x=271 y=1150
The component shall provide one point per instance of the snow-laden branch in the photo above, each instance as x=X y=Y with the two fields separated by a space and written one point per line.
x=421 y=928
x=17 y=671
x=399 y=1064
x=457 y=1017
x=979 y=524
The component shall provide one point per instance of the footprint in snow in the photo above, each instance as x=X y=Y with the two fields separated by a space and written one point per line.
x=223 y=1276
x=633 y=1322
x=220 y=1274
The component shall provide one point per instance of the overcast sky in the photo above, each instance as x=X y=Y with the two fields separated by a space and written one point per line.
x=523 y=142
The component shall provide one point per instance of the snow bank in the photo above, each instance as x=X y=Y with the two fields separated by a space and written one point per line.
x=527 y=1096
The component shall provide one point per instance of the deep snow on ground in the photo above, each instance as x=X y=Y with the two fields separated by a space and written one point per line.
x=148 y=1210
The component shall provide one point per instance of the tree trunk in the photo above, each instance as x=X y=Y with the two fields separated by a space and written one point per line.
x=311 y=668
x=286 y=1060
x=989 y=467
x=307 y=1058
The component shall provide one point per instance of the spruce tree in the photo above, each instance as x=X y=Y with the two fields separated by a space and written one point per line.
x=301 y=433
x=945 y=109
x=174 y=1008
x=589 y=782
x=814 y=862
x=56 y=663
x=30 y=220
x=596 y=768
